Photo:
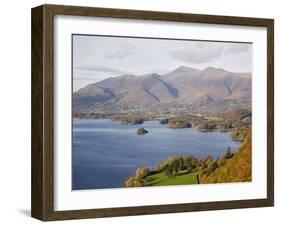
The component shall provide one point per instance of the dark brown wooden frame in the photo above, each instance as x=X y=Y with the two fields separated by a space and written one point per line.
x=42 y=203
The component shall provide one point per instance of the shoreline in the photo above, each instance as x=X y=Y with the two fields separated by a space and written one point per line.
x=193 y=125
x=187 y=170
x=161 y=137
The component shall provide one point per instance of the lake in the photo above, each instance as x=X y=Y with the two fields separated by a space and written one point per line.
x=105 y=153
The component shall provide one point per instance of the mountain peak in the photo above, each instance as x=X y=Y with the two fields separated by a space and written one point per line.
x=153 y=75
x=213 y=69
x=184 y=69
x=182 y=86
x=181 y=72
x=125 y=76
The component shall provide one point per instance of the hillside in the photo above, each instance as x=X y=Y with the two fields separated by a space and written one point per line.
x=237 y=169
x=182 y=86
x=191 y=170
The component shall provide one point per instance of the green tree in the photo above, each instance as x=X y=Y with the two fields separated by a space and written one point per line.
x=228 y=153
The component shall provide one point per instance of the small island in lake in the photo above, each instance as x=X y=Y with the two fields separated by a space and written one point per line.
x=142 y=131
x=179 y=124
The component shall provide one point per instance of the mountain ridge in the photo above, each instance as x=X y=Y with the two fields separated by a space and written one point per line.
x=183 y=85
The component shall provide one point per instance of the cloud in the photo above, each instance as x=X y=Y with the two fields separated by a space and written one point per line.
x=85 y=78
x=237 y=48
x=199 y=53
x=122 y=50
x=203 y=52
x=97 y=68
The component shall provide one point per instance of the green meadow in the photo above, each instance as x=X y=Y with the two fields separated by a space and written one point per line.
x=161 y=179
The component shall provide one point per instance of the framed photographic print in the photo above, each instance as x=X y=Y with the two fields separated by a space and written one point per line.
x=141 y=112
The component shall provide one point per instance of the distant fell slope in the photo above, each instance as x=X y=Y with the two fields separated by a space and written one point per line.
x=183 y=85
x=212 y=84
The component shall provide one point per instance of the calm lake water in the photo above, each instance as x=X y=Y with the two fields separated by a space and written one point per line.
x=106 y=153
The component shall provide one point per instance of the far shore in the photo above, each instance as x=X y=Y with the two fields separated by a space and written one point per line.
x=203 y=123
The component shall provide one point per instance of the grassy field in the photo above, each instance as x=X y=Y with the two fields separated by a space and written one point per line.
x=160 y=179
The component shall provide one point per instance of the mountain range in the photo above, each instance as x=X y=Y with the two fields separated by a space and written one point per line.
x=183 y=86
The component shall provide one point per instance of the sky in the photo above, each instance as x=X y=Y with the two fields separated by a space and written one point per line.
x=96 y=58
